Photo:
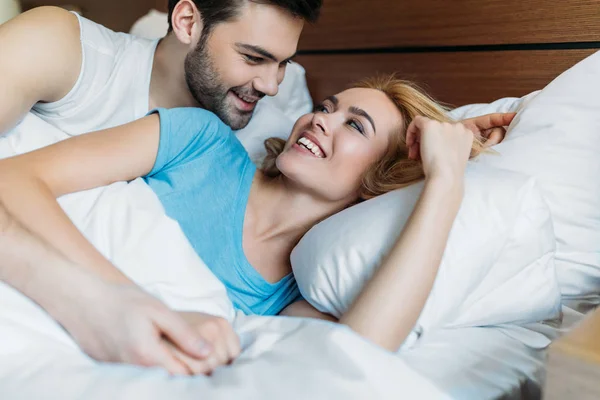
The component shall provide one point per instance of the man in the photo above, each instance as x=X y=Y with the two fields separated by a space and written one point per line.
x=222 y=55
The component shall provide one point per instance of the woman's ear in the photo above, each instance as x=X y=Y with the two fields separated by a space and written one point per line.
x=187 y=22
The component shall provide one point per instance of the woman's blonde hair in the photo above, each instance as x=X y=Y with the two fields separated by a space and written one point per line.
x=394 y=170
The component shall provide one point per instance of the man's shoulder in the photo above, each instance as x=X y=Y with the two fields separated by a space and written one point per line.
x=48 y=25
x=105 y=40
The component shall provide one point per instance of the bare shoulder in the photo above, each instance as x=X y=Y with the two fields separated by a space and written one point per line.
x=44 y=45
x=37 y=23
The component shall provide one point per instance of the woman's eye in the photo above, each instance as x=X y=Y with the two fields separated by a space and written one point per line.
x=357 y=126
x=321 y=108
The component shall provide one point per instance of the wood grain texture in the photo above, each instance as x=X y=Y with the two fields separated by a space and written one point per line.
x=573 y=365
x=351 y=24
x=118 y=15
x=455 y=78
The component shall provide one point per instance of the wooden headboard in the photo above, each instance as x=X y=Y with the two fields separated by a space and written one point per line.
x=462 y=51
x=118 y=15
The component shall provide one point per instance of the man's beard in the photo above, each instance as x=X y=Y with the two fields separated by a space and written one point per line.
x=206 y=87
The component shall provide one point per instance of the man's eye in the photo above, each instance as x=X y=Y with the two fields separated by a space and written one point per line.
x=253 y=59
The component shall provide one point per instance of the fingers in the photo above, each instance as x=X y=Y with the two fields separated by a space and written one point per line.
x=173 y=363
x=181 y=334
x=491 y=120
x=225 y=342
x=494 y=136
x=151 y=351
x=192 y=365
x=413 y=137
x=232 y=341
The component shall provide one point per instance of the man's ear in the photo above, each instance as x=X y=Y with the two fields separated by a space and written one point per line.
x=187 y=22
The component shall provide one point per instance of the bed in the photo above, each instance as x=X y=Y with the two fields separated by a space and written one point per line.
x=466 y=52
x=463 y=52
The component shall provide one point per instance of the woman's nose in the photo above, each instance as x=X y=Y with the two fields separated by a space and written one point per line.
x=320 y=123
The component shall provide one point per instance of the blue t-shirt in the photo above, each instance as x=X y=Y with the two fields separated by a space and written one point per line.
x=202 y=176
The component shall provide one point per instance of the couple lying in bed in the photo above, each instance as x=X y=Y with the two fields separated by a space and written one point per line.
x=223 y=56
x=244 y=221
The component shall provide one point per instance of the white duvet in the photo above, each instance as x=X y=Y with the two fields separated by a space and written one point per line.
x=282 y=358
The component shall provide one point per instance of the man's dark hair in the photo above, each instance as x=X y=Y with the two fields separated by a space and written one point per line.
x=216 y=11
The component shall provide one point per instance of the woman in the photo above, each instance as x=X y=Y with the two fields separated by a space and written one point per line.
x=378 y=136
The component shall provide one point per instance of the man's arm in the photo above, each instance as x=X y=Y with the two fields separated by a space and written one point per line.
x=40 y=61
x=110 y=322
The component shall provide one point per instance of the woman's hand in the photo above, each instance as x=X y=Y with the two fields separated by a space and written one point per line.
x=490 y=127
x=389 y=305
x=444 y=148
x=219 y=333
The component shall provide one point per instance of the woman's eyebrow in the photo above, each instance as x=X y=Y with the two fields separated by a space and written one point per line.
x=362 y=113
x=333 y=99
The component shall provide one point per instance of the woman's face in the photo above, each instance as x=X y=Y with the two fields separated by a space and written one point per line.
x=330 y=150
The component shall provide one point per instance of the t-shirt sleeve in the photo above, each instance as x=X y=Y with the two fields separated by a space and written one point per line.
x=186 y=134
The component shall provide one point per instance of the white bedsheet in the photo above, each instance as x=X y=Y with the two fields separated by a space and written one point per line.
x=283 y=358
x=287 y=358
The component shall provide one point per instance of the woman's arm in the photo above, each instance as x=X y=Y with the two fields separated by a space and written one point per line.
x=389 y=305
x=302 y=308
x=30 y=184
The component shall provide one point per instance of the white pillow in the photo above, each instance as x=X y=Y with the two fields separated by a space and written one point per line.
x=153 y=25
x=556 y=138
x=504 y=105
x=497 y=268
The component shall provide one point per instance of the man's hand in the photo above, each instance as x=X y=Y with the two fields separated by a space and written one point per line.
x=121 y=323
x=490 y=127
x=219 y=334
x=112 y=321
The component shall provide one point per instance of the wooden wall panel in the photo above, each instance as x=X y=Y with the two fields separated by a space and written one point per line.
x=346 y=24
x=456 y=78
x=118 y=15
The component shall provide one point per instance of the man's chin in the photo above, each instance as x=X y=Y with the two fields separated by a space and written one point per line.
x=238 y=120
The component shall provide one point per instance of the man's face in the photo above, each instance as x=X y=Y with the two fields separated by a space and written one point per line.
x=242 y=60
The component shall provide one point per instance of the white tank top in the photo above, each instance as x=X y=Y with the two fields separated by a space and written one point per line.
x=113 y=86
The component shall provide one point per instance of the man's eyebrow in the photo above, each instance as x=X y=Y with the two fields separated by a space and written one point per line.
x=363 y=113
x=263 y=52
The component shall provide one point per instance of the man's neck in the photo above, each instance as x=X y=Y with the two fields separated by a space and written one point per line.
x=168 y=87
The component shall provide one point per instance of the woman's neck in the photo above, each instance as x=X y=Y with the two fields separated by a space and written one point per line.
x=280 y=210
x=168 y=87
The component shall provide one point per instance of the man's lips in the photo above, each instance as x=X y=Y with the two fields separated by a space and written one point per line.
x=244 y=103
